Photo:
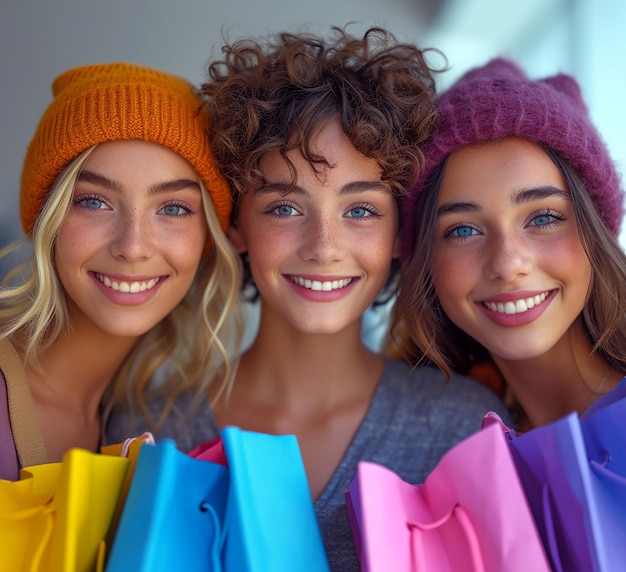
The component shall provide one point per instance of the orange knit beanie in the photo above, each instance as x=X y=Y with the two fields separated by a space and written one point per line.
x=105 y=102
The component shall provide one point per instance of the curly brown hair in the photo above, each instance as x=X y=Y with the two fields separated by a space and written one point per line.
x=274 y=95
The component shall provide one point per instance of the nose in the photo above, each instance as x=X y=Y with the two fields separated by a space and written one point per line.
x=507 y=258
x=132 y=238
x=321 y=239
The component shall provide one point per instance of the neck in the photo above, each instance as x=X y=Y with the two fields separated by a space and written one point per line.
x=79 y=365
x=567 y=378
x=297 y=368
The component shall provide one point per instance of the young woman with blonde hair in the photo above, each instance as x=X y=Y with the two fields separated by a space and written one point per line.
x=124 y=209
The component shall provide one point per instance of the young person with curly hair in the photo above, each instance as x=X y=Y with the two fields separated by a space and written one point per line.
x=319 y=138
x=124 y=210
x=509 y=240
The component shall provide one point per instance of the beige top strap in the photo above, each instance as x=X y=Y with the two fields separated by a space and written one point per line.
x=27 y=435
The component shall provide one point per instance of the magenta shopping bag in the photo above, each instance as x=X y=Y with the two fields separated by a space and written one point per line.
x=574 y=475
x=212 y=450
x=470 y=514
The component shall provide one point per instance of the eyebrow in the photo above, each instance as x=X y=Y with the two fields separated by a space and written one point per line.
x=162 y=187
x=347 y=189
x=517 y=198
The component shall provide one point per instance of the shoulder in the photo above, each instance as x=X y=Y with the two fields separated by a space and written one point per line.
x=429 y=384
x=419 y=403
x=416 y=415
x=22 y=413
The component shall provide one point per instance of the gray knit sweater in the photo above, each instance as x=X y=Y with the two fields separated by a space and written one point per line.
x=414 y=418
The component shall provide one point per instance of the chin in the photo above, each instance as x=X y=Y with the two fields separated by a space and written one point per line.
x=319 y=329
x=520 y=354
x=126 y=330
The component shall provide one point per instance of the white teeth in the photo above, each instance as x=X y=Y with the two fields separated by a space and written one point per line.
x=132 y=287
x=518 y=306
x=319 y=286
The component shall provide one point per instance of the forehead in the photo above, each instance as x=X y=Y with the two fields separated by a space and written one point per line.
x=340 y=160
x=507 y=164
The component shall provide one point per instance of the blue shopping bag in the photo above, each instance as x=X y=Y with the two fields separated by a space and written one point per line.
x=270 y=521
x=173 y=515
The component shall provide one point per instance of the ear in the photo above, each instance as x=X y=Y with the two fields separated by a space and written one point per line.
x=235 y=236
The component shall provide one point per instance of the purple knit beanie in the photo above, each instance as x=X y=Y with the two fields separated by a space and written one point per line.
x=498 y=100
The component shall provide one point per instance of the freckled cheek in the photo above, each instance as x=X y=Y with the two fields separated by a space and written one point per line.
x=75 y=244
x=72 y=232
x=378 y=245
x=272 y=246
x=184 y=244
x=262 y=256
x=568 y=264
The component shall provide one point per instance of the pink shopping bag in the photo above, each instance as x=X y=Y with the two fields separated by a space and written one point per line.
x=470 y=515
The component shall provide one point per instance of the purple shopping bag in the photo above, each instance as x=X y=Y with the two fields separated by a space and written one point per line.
x=470 y=514
x=574 y=475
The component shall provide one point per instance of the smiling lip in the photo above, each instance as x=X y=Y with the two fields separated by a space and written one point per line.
x=129 y=286
x=126 y=291
x=516 y=308
x=518 y=305
x=320 y=285
x=321 y=288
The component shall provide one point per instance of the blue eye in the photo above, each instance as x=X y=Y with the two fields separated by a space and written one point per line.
x=544 y=219
x=284 y=210
x=358 y=212
x=175 y=210
x=362 y=211
x=90 y=203
x=281 y=210
x=93 y=204
x=462 y=231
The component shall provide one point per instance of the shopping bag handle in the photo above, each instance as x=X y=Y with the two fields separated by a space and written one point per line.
x=220 y=536
x=146 y=438
x=46 y=510
x=466 y=525
x=601 y=469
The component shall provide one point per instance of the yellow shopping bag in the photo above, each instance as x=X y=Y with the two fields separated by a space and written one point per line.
x=57 y=516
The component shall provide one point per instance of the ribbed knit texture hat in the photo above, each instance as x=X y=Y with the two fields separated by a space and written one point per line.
x=498 y=100
x=105 y=102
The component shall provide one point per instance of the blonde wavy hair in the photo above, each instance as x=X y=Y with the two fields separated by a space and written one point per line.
x=195 y=342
